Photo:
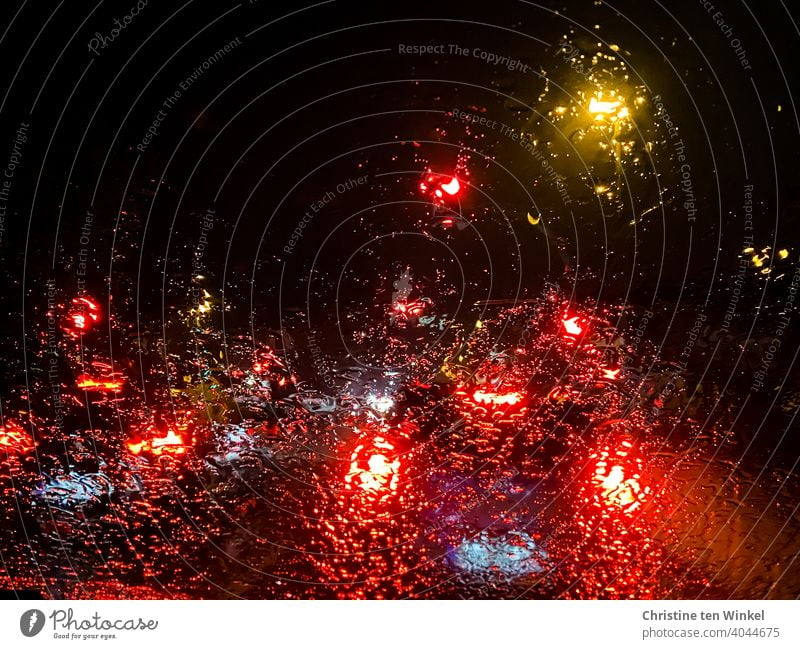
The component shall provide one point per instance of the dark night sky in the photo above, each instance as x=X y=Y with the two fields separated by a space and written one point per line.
x=272 y=153
x=322 y=95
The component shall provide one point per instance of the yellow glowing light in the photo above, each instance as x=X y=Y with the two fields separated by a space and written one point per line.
x=747 y=251
x=534 y=220
x=603 y=107
x=600 y=189
x=783 y=254
x=560 y=110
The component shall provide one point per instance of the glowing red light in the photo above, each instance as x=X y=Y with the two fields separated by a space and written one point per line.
x=441 y=190
x=171 y=443
x=559 y=394
x=103 y=384
x=14 y=439
x=406 y=311
x=494 y=399
x=91 y=305
x=453 y=187
x=571 y=326
x=615 y=489
x=267 y=361
x=617 y=477
x=83 y=315
x=372 y=470
x=610 y=374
